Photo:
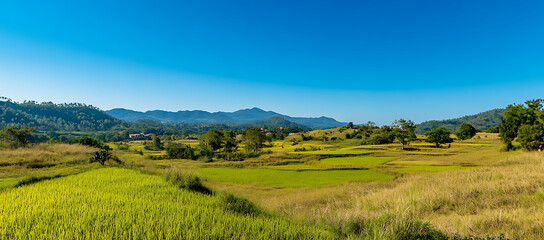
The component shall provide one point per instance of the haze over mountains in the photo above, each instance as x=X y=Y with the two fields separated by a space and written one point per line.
x=237 y=117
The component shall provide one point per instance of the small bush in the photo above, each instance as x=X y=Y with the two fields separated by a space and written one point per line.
x=186 y=180
x=239 y=205
x=89 y=141
x=102 y=156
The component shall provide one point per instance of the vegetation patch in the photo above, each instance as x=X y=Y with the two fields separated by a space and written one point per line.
x=186 y=180
x=112 y=203
x=293 y=179
x=295 y=167
x=357 y=161
x=239 y=205
x=336 y=153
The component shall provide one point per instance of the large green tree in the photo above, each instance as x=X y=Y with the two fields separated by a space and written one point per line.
x=438 y=136
x=212 y=140
x=466 y=131
x=254 y=139
x=404 y=131
x=229 y=141
x=523 y=122
x=531 y=136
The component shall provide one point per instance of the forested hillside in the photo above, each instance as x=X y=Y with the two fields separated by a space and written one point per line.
x=48 y=116
x=480 y=121
x=75 y=119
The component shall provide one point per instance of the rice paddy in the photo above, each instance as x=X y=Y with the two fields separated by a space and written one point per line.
x=116 y=203
x=291 y=179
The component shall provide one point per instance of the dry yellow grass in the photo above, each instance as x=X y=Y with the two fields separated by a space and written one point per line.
x=506 y=197
x=42 y=160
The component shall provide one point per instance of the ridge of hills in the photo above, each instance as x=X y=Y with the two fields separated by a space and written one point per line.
x=48 y=116
x=238 y=117
x=78 y=117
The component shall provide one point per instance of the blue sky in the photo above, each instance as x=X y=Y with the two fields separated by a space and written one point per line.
x=351 y=60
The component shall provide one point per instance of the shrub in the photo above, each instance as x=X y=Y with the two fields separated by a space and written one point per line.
x=466 y=131
x=122 y=146
x=102 y=156
x=186 y=180
x=89 y=141
x=239 y=205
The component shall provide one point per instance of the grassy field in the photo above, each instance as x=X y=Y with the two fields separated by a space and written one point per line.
x=357 y=161
x=471 y=188
x=124 y=204
x=42 y=161
x=291 y=179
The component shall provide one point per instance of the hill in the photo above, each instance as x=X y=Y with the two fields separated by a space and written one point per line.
x=237 y=117
x=89 y=120
x=48 y=116
x=480 y=121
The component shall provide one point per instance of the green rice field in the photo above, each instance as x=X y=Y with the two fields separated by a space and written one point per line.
x=114 y=203
x=291 y=179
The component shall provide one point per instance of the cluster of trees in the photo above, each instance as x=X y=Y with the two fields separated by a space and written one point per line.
x=281 y=133
x=442 y=135
x=14 y=137
x=524 y=123
x=223 y=144
x=401 y=130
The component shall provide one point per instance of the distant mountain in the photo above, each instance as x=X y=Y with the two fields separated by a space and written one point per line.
x=77 y=117
x=238 y=117
x=48 y=116
x=480 y=121
x=275 y=122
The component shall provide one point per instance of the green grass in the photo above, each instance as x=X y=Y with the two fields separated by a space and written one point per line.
x=357 y=161
x=293 y=179
x=295 y=167
x=335 y=153
x=116 y=203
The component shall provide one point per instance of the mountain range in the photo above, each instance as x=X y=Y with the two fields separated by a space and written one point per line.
x=237 y=117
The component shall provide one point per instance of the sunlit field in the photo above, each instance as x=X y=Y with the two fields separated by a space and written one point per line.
x=469 y=188
x=116 y=203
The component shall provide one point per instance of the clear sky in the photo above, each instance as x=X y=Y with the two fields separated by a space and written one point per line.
x=354 y=61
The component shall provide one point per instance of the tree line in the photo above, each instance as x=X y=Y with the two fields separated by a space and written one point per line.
x=220 y=144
